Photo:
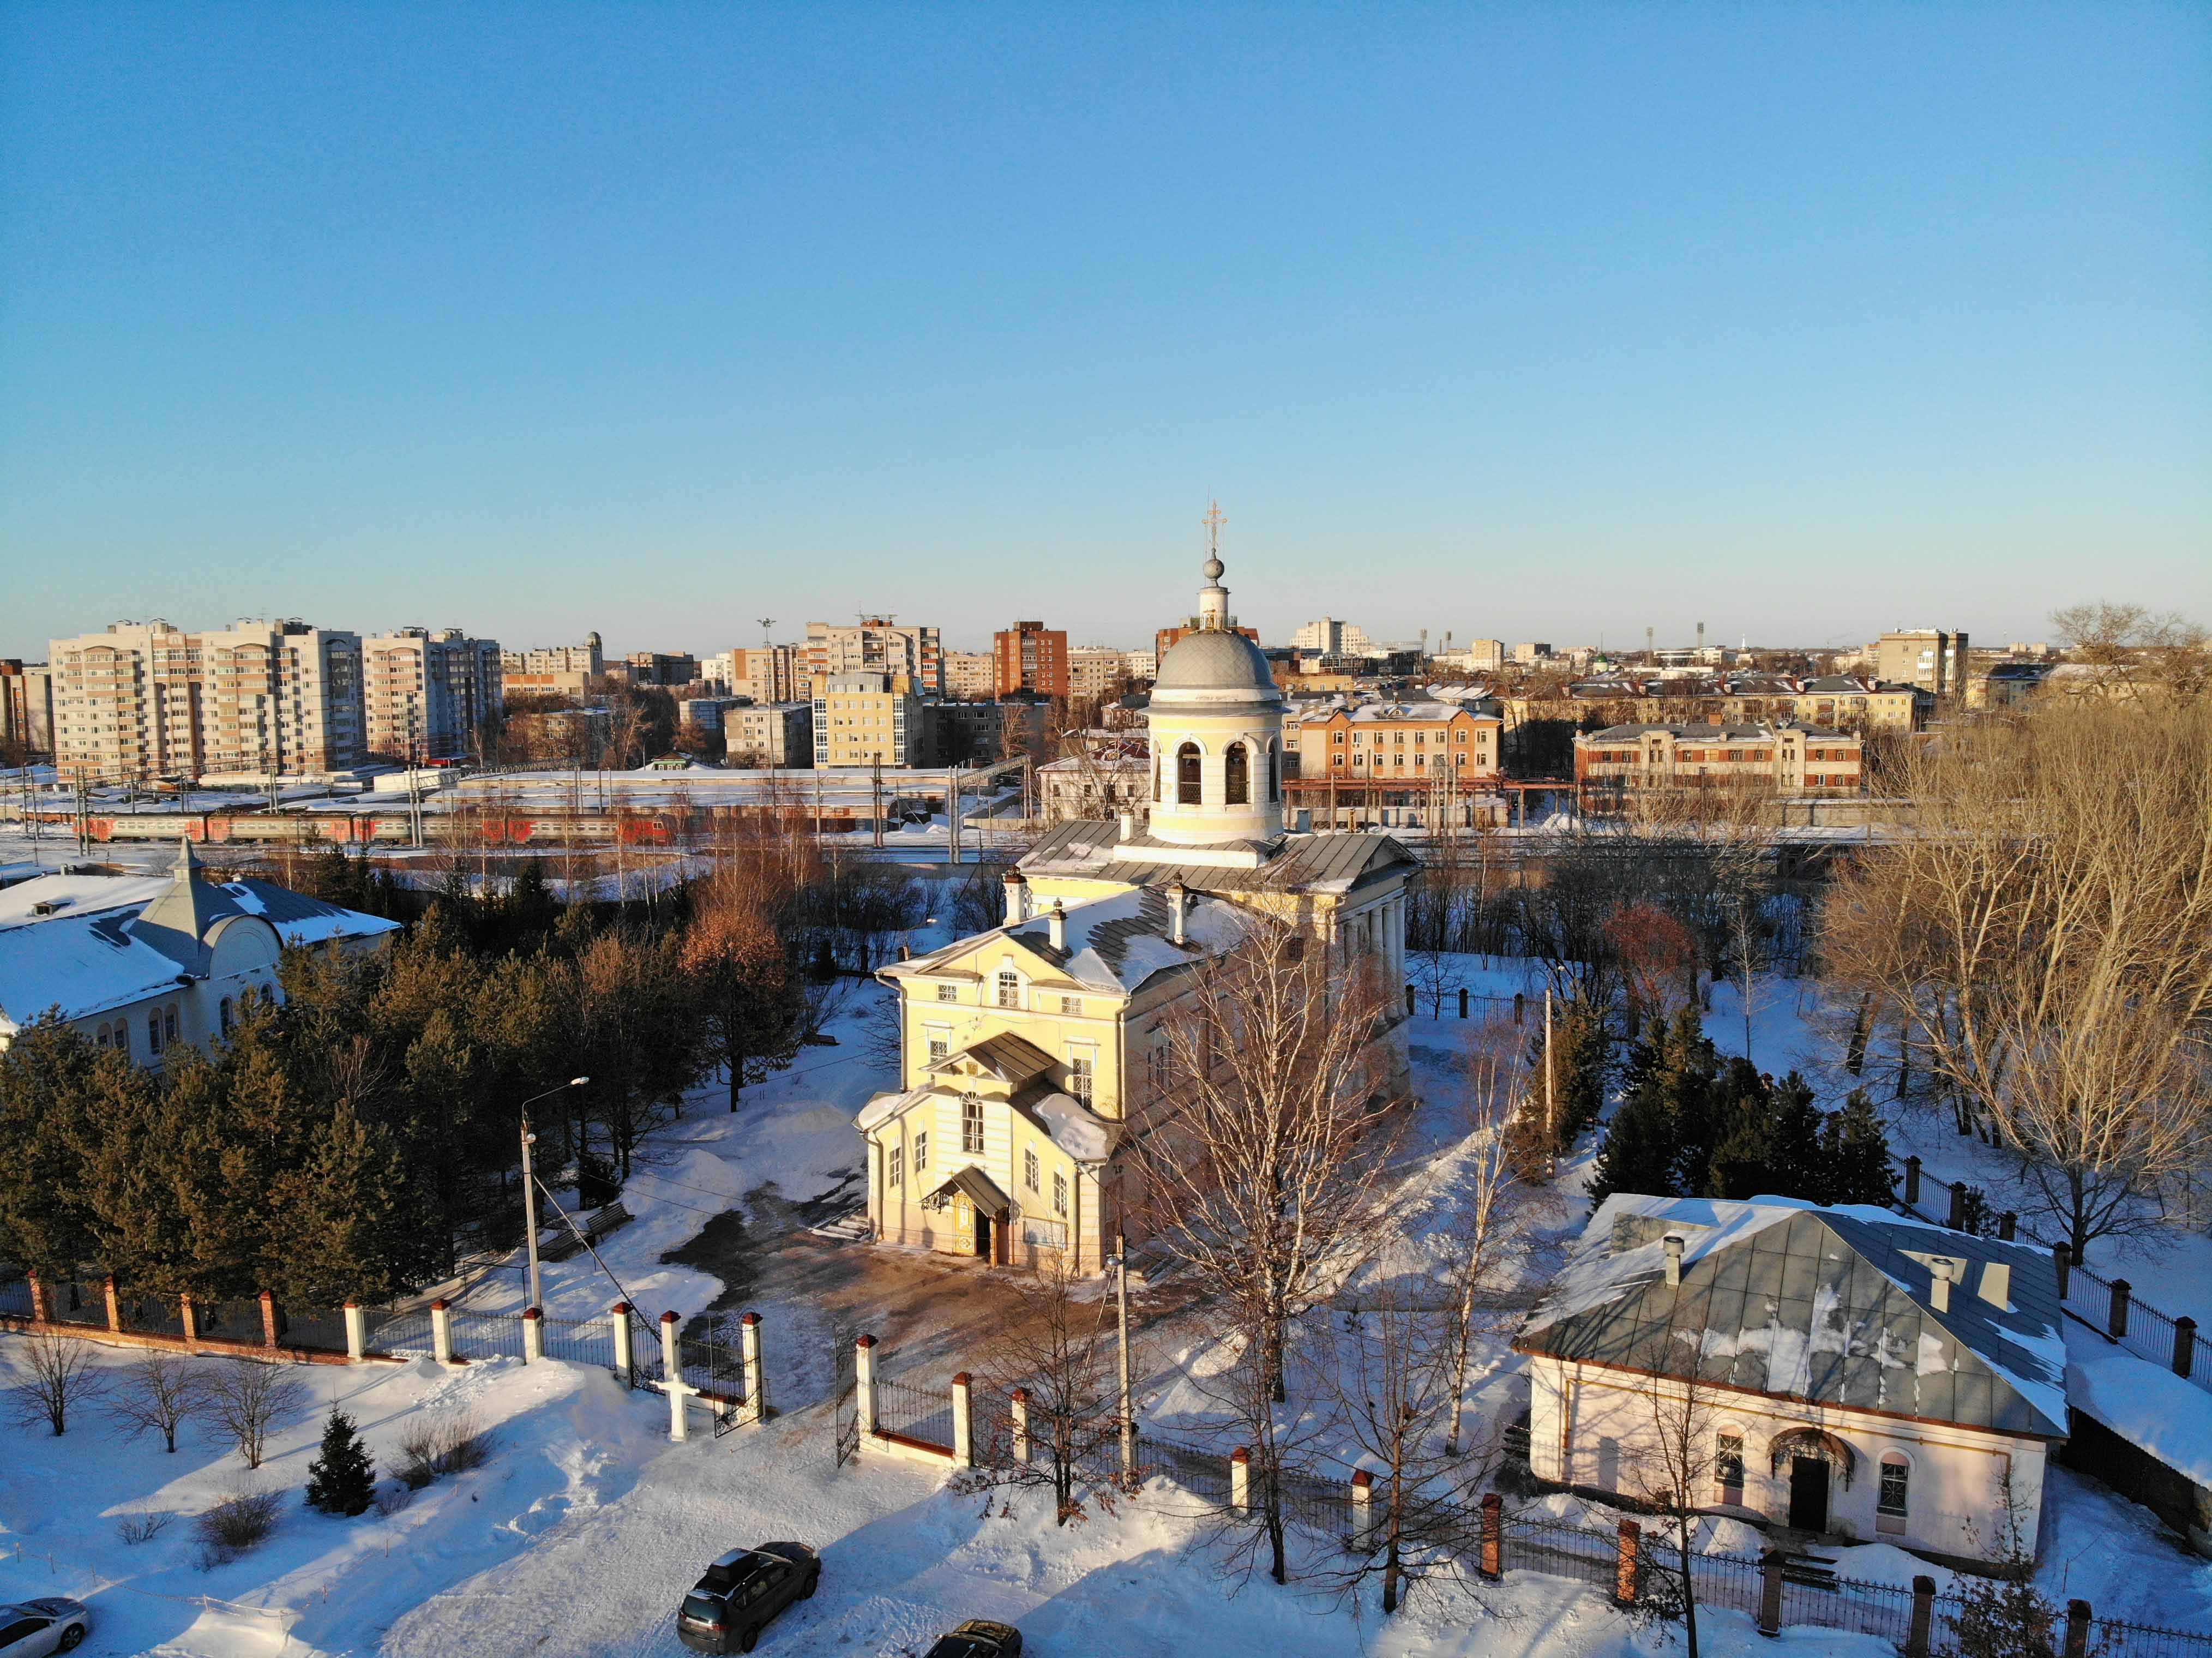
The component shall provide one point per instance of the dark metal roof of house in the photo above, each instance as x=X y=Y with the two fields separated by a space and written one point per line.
x=1085 y=848
x=1833 y=1306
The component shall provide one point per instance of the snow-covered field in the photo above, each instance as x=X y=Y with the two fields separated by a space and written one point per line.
x=579 y=1533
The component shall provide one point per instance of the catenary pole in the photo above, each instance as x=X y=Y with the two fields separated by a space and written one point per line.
x=529 y=1187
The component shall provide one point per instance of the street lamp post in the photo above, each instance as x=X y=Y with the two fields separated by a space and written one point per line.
x=530 y=1184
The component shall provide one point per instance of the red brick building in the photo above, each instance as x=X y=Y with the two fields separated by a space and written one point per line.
x=1030 y=657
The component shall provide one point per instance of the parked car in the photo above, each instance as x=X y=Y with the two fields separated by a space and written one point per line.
x=736 y=1597
x=32 y=1629
x=979 y=1637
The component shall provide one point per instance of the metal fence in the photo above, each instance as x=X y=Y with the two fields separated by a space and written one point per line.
x=160 y=1315
x=486 y=1335
x=582 y=1341
x=15 y=1297
x=75 y=1301
x=395 y=1332
x=2111 y=1639
x=320 y=1329
x=912 y=1413
x=235 y=1320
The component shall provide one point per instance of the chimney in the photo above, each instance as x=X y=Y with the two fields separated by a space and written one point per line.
x=1674 y=1248
x=1017 y=898
x=1178 y=898
x=1938 y=1286
x=1128 y=826
x=1056 y=920
x=1996 y=1284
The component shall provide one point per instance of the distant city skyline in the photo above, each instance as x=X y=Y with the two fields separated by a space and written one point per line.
x=1520 y=321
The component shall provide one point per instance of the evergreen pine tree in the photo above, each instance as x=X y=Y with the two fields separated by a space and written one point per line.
x=342 y=1479
x=1773 y=1146
x=1637 y=1152
x=1855 y=1155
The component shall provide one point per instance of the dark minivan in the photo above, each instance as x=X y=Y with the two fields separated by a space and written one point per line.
x=737 y=1596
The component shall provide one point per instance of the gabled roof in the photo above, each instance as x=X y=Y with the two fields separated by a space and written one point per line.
x=1011 y=1058
x=1113 y=944
x=1833 y=1306
x=1085 y=849
x=179 y=921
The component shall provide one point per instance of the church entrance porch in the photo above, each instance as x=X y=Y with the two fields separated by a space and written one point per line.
x=978 y=1212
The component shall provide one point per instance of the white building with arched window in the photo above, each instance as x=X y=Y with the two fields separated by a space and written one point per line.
x=1028 y=1050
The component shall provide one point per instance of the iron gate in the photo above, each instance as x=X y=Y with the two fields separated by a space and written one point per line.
x=725 y=1371
x=845 y=1412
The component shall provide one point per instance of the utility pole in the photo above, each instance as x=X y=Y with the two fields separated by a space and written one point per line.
x=1128 y=1408
x=876 y=796
x=529 y=1186
x=952 y=811
x=1551 y=1114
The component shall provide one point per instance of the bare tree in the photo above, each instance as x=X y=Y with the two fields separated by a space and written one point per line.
x=158 y=1393
x=1677 y=1461
x=60 y=1376
x=1261 y=1158
x=1060 y=1358
x=1484 y=1182
x=247 y=1397
x=2141 y=651
x=2043 y=947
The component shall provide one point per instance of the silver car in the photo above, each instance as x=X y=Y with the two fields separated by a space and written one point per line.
x=32 y=1629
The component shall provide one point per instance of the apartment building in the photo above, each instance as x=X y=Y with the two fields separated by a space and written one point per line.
x=766 y=673
x=1329 y=637
x=427 y=694
x=1029 y=656
x=775 y=734
x=280 y=696
x=1395 y=741
x=1788 y=759
x=1863 y=704
x=971 y=673
x=1531 y=651
x=861 y=719
x=971 y=733
x=1096 y=670
x=1141 y=664
x=556 y=670
x=127 y=703
x=913 y=654
x=25 y=708
x=669 y=669
x=1931 y=657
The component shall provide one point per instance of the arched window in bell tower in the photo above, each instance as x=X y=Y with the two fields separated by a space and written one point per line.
x=1274 y=773
x=1189 y=790
x=1238 y=775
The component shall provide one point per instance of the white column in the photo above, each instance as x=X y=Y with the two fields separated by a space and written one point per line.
x=963 y=1422
x=1240 y=1481
x=755 y=1370
x=671 y=1369
x=1362 y=1509
x=441 y=1333
x=533 y=1336
x=625 y=1353
x=864 y=1381
x=1017 y=1406
x=356 y=1323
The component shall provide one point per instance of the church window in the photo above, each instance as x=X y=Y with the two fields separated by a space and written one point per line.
x=971 y=1124
x=1896 y=1481
x=1274 y=773
x=939 y=1048
x=1189 y=790
x=921 y=1150
x=1238 y=775
x=154 y=1033
x=1156 y=1065
x=1010 y=987
x=169 y=1022
x=897 y=1174
x=1031 y=1174
x=1059 y=1194
x=1078 y=1081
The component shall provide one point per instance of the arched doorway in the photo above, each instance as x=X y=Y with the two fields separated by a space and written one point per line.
x=1189 y=790
x=1238 y=775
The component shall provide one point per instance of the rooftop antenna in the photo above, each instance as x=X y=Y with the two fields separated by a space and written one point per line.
x=766 y=622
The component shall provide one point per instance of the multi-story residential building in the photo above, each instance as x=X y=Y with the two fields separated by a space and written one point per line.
x=577 y=736
x=971 y=673
x=1863 y=704
x=25 y=708
x=1029 y=656
x=430 y=695
x=970 y=733
x=127 y=703
x=1329 y=637
x=766 y=673
x=1531 y=651
x=1484 y=655
x=1930 y=658
x=280 y=696
x=556 y=670
x=775 y=734
x=863 y=719
x=1788 y=759
x=1095 y=671
x=1396 y=740
x=1141 y=664
x=669 y=669
x=705 y=713
x=2008 y=684
x=1104 y=781
x=914 y=655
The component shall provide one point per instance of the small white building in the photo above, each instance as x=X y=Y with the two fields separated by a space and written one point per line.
x=1849 y=1374
x=142 y=962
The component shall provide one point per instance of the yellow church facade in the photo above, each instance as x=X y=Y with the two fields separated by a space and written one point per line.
x=1030 y=1051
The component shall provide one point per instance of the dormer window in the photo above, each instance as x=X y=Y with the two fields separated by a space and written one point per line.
x=948 y=992
x=1010 y=987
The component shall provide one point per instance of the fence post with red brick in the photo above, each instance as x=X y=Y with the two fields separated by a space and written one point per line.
x=1770 y=1592
x=114 y=1304
x=441 y=1332
x=357 y=1323
x=1363 y=1509
x=2184 y=1344
x=2119 y=1324
x=864 y=1385
x=963 y=1422
x=625 y=1353
x=1923 y=1618
x=2077 y=1629
x=533 y=1335
x=1626 y=1562
x=267 y=1319
x=2062 y=1262
x=1494 y=1536
x=749 y=1334
x=1240 y=1480
x=42 y=1310
x=188 y=1320
x=1017 y=1413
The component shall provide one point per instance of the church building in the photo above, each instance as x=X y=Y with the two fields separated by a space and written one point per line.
x=1028 y=1050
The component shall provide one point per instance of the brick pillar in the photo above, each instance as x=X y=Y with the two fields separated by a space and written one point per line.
x=1017 y=1408
x=2077 y=1629
x=267 y=1319
x=1362 y=1509
x=356 y=1332
x=1958 y=1205
x=114 y=1303
x=1913 y=1180
x=625 y=1351
x=441 y=1333
x=1409 y=1000
x=42 y=1310
x=2119 y=1326
x=671 y=1371
x=189 y=1317
x=1462 y=1001
x=533 y=1336
x=2007 y=1227
x=963 y=1422
x=749 y=1335
x=1240 y=1480
x=1631 y=1547
x=1770 y=1592
x=1493 y=1537
x=1923 y=1618
x=864 y=1384
x=2062 y=1262
x=2184 y=1344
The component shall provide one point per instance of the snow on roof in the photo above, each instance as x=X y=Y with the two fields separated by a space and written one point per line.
x=1115 y=942
x=882 y=1108
x=2166 y=1415
x=1835 y=1305
x=1074 y=1127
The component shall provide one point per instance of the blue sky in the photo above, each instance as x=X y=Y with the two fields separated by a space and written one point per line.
x=1554 y=321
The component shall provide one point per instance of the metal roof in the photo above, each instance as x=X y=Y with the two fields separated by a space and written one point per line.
x=1084 y=849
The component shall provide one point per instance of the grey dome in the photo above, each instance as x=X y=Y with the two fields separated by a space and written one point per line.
x=1214 y=661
